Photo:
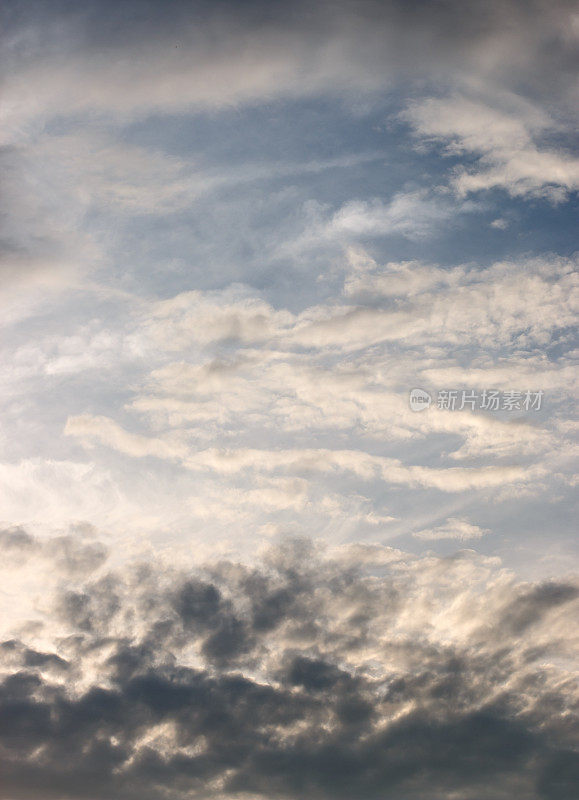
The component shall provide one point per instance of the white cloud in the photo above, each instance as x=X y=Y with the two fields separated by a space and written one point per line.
x=508 y=301
x=227 y=461
x=504 y=142
x=256 y=391
x=50 y=493
x=90 y=429
x=453 y=528
x=411 y=214
x=44 y=247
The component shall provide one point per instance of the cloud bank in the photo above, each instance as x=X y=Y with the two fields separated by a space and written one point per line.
x=356 y=672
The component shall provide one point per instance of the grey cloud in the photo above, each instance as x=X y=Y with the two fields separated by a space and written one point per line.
x=532 y=605
x=181 y=686
x=16 y=540
x=16 y=652
x=200 y=605
x=41 y=243
x=75 y=556
x=67 y=553
x=143 y=55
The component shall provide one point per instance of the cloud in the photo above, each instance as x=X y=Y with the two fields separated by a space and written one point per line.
x=503 y=141
x=354 y=674
x=505 y=302
x=69 y=553
x=452 y=528
x=142 y=57
x=414 y=215
x=253 y=413
x=106 y=431
x=43 y=247
x=167 y=148
x=55 y=492
x=76 y=77
x=227 y=461
x=227 y=412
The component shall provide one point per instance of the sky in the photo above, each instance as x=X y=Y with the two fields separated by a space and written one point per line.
x=288 y=400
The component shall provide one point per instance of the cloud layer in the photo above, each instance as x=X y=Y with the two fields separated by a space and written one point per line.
x=360 y=672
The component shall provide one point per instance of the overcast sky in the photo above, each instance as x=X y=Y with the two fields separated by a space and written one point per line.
x=237 y=560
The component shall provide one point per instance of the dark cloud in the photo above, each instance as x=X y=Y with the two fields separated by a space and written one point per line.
x=532 y=605
x=166 y=684
x=68 y=553
x=16 y=540
x=17 y=653
x=226 y=48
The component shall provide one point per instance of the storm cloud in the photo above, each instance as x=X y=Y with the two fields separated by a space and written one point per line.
x=323 y=674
